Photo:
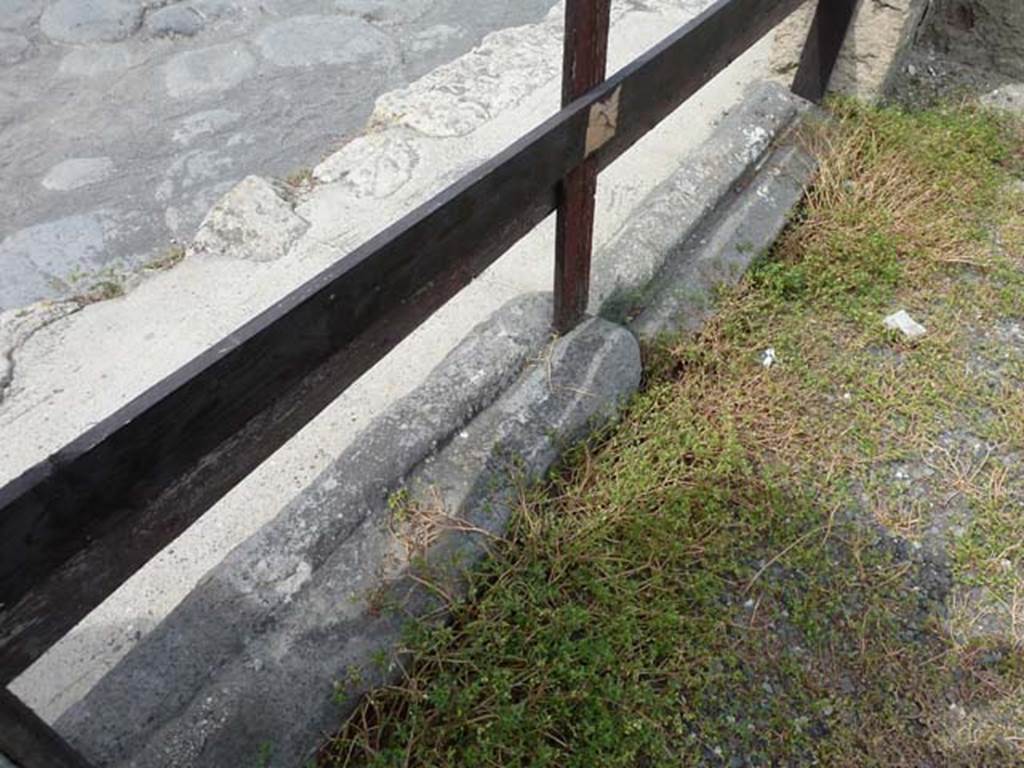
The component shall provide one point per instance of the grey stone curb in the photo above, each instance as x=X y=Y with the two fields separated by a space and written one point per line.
x=718 y=252
x=663 y=222
x=238 y=601
x=248 y=664
x=252 y=656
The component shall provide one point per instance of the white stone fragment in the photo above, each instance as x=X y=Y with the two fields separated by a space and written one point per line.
x=905 y=324
x=251 y=222
x=768 y=359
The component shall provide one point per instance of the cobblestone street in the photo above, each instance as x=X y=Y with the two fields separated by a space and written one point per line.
x=123 y=121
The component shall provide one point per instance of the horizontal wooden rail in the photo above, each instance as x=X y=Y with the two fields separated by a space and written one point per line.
x=75 y=526
x=30 y=742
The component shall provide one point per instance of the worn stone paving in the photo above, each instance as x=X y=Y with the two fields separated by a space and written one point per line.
x=123 y=121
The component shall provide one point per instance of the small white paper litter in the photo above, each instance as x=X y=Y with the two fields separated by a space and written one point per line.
x=769 y=357
x=905 y=324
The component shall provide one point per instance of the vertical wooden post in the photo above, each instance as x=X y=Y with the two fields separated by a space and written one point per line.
x=583 y=67
x=29 y=742
x=821 y=51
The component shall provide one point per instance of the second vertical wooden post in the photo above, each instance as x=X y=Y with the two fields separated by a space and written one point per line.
x=584 y=62
x=832 y=20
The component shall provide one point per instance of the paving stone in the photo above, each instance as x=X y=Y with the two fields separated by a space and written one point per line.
x=202 y=123
x=96 y=60
x=13 y=48
x=208 y=70
x=36 y=257
x=216 y=9
x=18 y=14
x=78 y=172
x=305 y=41
x=91 y=21
x=384 y=10
x=175 y=20
x=435 y=38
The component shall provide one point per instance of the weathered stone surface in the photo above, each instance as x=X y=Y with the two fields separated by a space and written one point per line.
x=98 y=60
x=253 y=221
x=208 y=70
x=383 y=10
x=78 y=172
x=91 y=21
x=498 y=73
x=988 y=33
x=178 y=20
x=36 y=257
x=376 y=165
x=13 y=47
x=437 y=37
x=305 y=41
x=118 y=104
x=202 y=123
x=18 y=14
x=881 y=34
x=218 y=9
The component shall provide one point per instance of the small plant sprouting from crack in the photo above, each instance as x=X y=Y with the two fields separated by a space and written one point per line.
x=104 y=290
x=301 y=179
x=169 y=258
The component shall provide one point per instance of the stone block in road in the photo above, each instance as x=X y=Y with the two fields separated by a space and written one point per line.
x=12 y=47
x=384 y=10
x=174 y=20
x=18 y=14
x=91 y=21
x=99 y=60
x=78 y=172
x=305 y=41
x=51 y=252
x=208 y=70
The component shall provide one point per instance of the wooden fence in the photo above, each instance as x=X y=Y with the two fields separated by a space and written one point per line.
x=74 y=527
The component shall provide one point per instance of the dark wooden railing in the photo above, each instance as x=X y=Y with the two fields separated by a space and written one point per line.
x=74 y=527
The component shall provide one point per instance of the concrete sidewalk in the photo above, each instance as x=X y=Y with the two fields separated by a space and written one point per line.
x=71 y=365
